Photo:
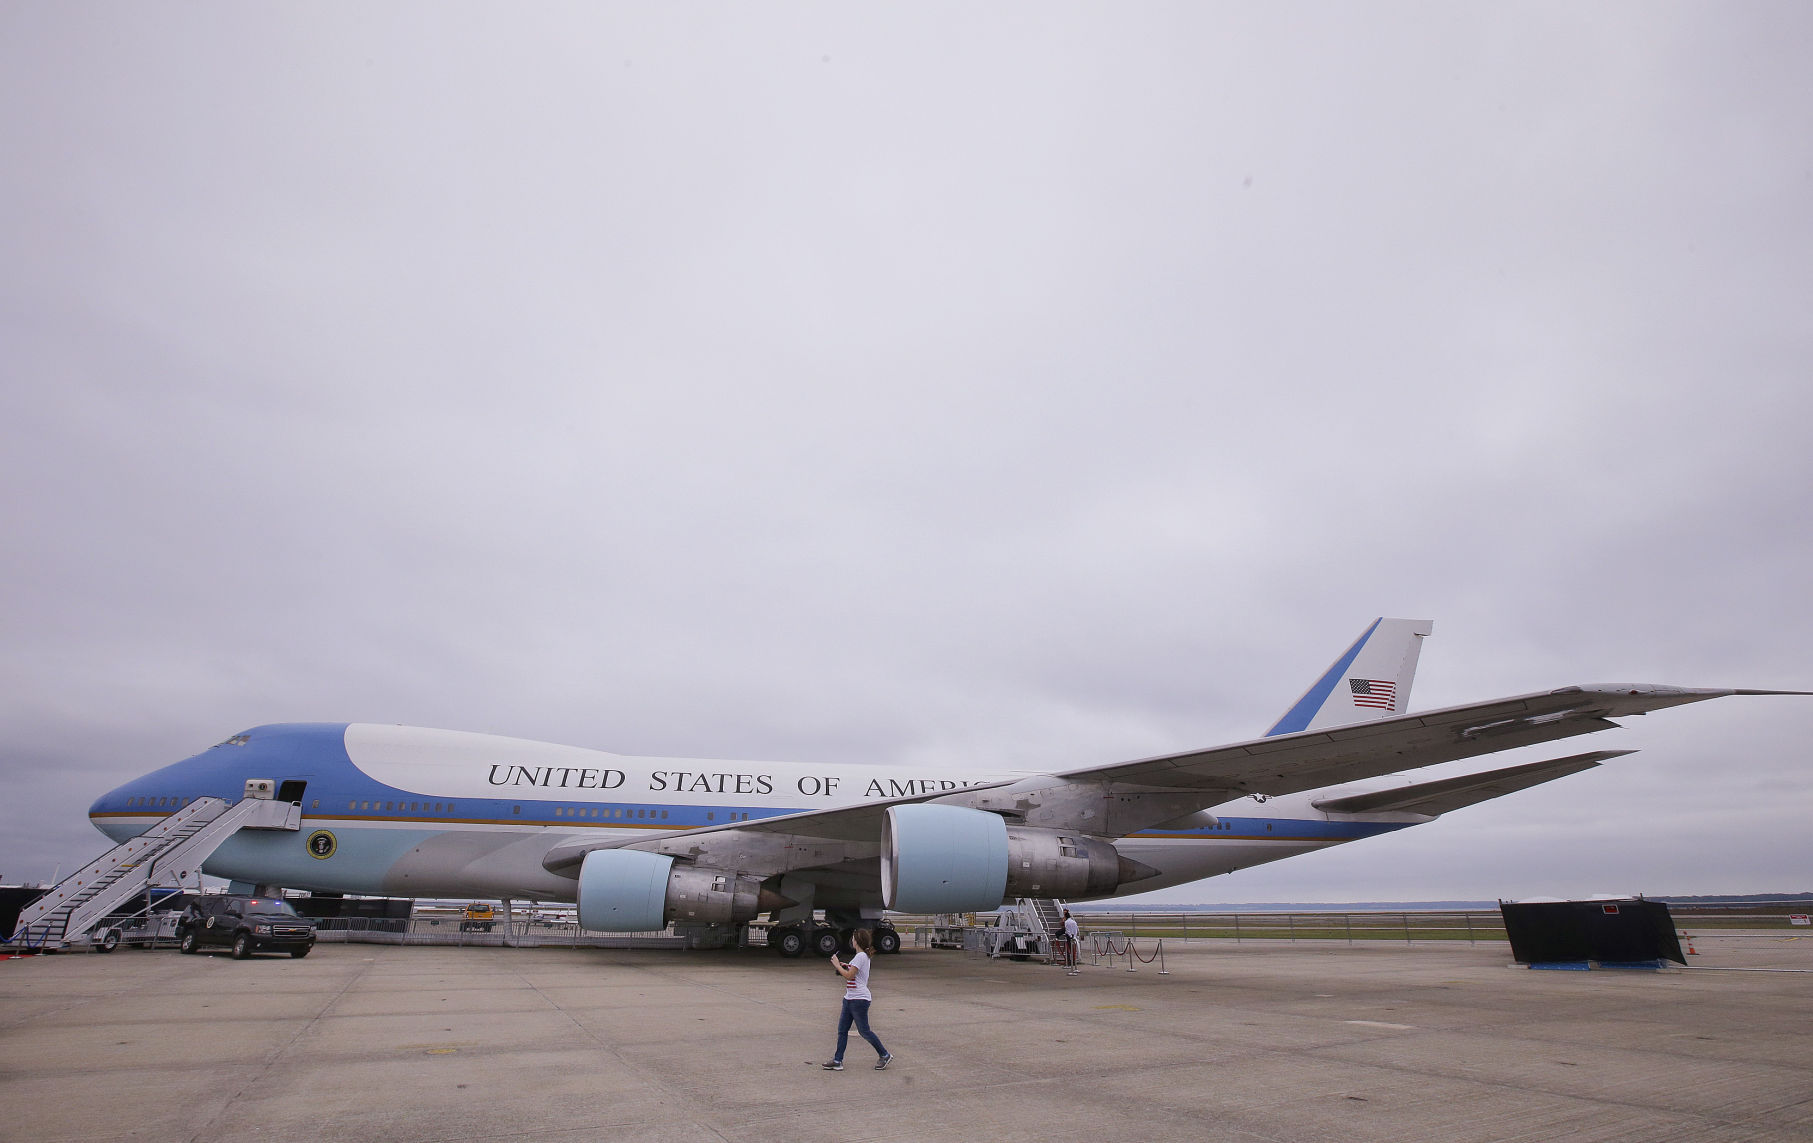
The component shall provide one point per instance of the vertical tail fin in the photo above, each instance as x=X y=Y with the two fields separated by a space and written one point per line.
x=1371 y=680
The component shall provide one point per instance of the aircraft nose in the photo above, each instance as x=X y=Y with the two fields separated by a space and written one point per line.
x=109 y=814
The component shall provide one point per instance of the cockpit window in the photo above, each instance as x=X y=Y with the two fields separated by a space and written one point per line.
x=236 y=740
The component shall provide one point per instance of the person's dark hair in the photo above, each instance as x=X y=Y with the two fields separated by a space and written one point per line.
x=863 y=940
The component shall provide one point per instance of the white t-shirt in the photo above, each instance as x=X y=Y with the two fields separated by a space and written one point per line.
x=857 y=987
x=1070 y=929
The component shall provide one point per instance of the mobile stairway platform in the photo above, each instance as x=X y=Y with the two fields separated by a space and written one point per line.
x=167 y=855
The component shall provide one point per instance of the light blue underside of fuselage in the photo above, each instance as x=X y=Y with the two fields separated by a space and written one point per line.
x=494 y=847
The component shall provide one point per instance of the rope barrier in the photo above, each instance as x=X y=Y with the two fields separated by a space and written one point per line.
x=1100 y=943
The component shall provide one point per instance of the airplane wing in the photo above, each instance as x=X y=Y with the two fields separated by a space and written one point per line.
x=806 y=839
x=1309 y=760
x=1439 y=797
x=1284 y=764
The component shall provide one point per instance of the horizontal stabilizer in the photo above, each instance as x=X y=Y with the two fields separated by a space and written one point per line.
x=1446 y=794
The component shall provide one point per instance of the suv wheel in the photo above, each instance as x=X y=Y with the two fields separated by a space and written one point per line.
x=188 y=943
x=301 y=952
x=242 y=946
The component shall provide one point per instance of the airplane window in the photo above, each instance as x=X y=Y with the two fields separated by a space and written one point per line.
x=386 y=807
x=709 y=817
x=663 y=815
x=516 y=809
x=315 y=805
x=449 y=807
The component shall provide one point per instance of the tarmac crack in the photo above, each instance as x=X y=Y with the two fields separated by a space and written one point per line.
x=654 y=1077
x=278 y=1052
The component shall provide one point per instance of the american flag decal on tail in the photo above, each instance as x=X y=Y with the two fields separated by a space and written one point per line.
x=1380 y=693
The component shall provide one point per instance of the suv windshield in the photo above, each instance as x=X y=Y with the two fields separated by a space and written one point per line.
x=268 y=907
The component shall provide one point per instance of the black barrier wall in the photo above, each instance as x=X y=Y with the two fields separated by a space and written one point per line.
x=1610 y=932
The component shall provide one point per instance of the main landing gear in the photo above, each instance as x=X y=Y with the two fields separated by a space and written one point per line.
x=793 y=941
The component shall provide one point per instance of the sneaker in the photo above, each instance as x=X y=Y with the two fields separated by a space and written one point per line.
x=833 y=1065
x=885 y=1061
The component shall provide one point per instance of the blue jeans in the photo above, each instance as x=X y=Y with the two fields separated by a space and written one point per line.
x=856 y=1012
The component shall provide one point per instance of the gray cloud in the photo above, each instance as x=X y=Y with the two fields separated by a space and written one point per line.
x=1012 y=388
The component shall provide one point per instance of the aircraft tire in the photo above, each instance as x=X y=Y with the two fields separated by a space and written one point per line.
x=825 y=942
x=887 y=940
x=790 y=942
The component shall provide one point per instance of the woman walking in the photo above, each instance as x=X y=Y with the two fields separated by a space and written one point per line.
x=856 y=1002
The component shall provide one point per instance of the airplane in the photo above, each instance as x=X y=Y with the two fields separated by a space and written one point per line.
x=640 y=843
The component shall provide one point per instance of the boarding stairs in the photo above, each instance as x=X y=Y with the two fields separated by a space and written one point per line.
x=166 y=855
x=1031 y=926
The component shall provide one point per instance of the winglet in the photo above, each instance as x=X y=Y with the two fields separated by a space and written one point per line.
x=1370 y=680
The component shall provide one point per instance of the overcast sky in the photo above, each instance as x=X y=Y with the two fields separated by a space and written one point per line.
x=1027 y=386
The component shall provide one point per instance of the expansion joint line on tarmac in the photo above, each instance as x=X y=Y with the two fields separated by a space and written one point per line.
x=655 y=1077
x=277 y=1053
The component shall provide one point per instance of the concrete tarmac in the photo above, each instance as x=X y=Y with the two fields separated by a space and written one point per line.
x=1259 y=1041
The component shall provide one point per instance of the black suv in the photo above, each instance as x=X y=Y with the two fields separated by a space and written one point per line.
x=244 y=924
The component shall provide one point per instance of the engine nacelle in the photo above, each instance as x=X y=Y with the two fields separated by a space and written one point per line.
x=629 y=891
x=948 y=859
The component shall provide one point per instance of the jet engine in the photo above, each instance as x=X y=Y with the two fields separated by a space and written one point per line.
x=949 y=859
x=629 y=891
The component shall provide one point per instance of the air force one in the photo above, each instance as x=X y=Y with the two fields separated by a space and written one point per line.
x=641 y=843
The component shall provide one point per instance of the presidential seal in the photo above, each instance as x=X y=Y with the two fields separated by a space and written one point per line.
x=321 y=844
